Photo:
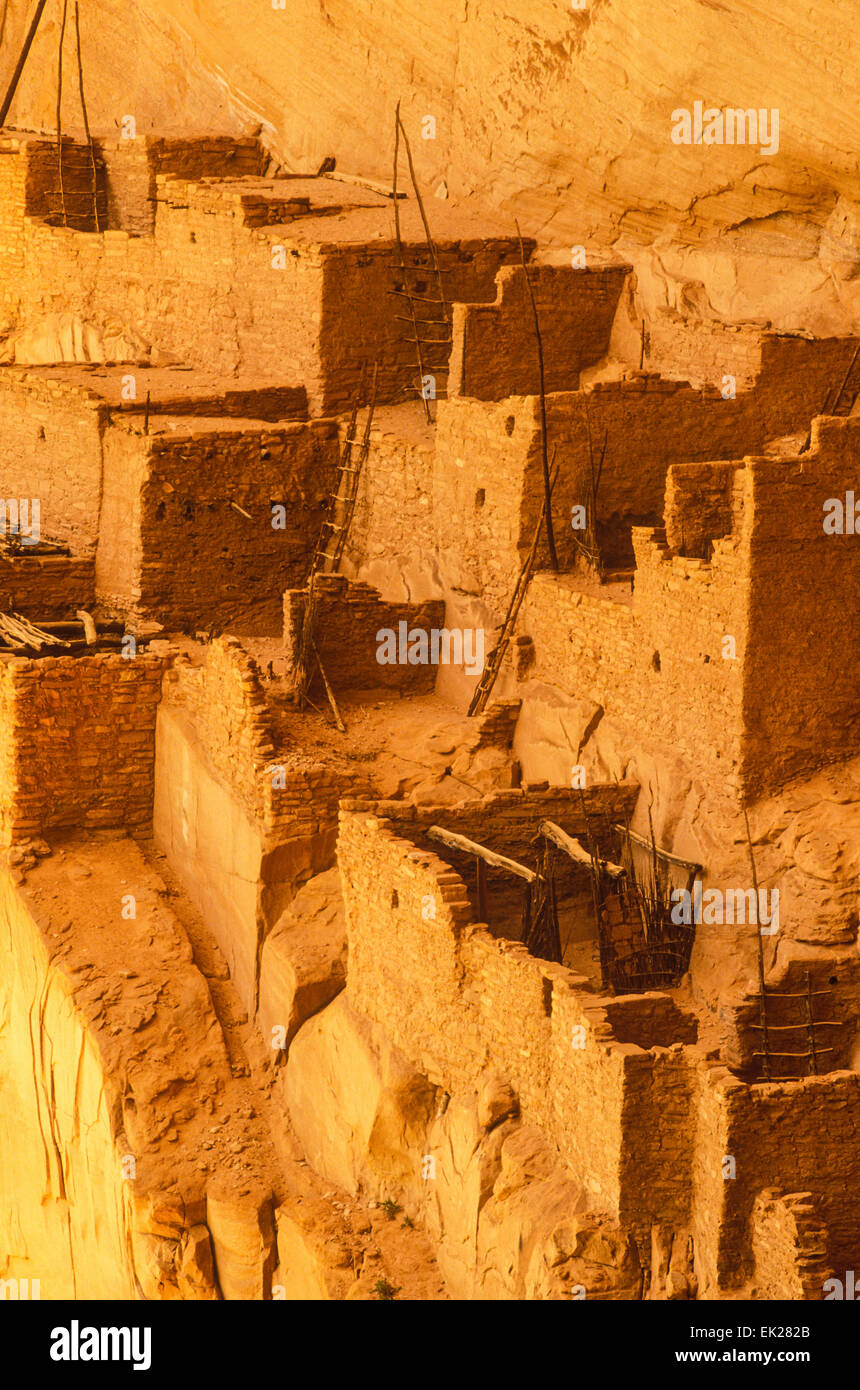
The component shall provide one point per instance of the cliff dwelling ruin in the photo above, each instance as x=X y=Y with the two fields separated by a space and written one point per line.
x=429 y=633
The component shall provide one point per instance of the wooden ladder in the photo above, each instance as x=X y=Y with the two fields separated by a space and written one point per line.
x=427 y=347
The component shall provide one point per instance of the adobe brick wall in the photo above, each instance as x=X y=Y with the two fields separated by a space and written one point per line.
x=349 y=616
x=78 y=736
x=174 y=549
x=494 y=353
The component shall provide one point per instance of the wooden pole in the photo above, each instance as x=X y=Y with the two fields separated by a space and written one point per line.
x=59 y=115
x=550 y=535
x=663 y=853
x=329 y=692
x=86 y=121
x=19 y=66
x=465 y=846
x=401 y=254
x=575 y=851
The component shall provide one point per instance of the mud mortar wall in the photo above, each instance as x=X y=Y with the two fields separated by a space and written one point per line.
x=749 y=1123
x=488 y=465
x=132 y=167
x=456 y=1000
x=663 y=666
x=52 y=450
x=182 y=553
x=223 y=698
x=646 y=666
x=494 y=353
x=214 y=290
x=348 y=618
x=802 y=688
x=48 y=589
x=242 y=826
x=359 y=312
x=62 y=771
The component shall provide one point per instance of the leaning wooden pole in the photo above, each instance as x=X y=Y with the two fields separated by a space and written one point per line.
x=59 y=115
x=550 y=535
x=19 y=66
x=485 y=685
x=401 y=254
x=431 y=245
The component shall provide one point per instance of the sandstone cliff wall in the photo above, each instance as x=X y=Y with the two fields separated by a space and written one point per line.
x=561 y=115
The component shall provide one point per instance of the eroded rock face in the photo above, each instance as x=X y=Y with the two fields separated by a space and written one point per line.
x=505 y=1218
x=303 y=964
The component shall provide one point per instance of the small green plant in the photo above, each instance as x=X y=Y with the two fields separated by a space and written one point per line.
x=408 y=1223
x=385 y=1291
x=390 y=1208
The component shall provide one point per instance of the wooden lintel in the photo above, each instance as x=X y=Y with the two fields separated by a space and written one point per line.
x=496 y=861
x=575 y=850
x=661 y=853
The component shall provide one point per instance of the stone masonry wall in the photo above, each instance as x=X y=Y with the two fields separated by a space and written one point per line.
x=801 y=682
x=701 y=662
x=132 y=167
x=455 y=1000
x=47 y=588
x=173 y=545
x=78 y=737
x=750 y=1124
x=789 y=1247
x=494 y=353
x=51 y=448
x=393 y=536
x=785 y=371
x=223 y=698
x=218 y=287
x=658 y=667
x=488 y=469
x=349 y=617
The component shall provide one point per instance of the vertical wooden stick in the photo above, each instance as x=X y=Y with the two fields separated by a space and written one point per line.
x=87 y=122
x=550 y=535
x=59 y=114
